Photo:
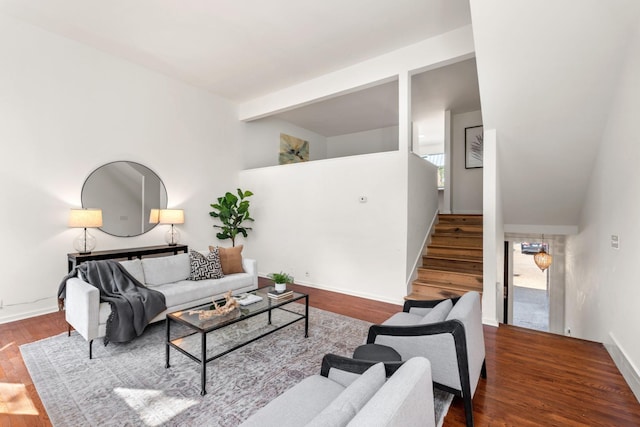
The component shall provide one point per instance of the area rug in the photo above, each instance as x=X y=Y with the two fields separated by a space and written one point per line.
x=128 y=384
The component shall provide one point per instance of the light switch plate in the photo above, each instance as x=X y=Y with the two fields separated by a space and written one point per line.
x=615 y=241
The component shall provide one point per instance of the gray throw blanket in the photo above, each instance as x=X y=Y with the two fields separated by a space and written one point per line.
x=133 y=305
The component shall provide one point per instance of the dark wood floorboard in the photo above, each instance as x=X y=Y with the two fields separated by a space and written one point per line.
x=534 y=378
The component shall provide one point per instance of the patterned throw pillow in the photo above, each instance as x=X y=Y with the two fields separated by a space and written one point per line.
x=205 y=266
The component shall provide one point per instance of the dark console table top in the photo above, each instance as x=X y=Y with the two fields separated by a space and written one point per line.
x=129 y=253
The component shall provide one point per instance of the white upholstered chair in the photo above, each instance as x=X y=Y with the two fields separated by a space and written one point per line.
x=448 y=333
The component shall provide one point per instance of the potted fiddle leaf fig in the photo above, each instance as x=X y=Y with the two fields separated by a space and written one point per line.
x=232 y=211
x=280 y=279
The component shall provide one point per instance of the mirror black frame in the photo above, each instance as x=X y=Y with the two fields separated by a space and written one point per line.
x=115 y=197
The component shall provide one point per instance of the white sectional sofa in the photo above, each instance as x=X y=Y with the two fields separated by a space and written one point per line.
x=169 y=275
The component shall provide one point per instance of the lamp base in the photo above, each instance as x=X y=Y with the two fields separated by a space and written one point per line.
x=172 y=237
x=84 y=243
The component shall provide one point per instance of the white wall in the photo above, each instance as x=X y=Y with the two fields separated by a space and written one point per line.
x=367 y=142
x=466 y=184
x=602 y=291
x=359 y=254
x=493 y=232
x=261 y=142
x=67 y=109
x=440 y=50
x=422 y=207
x=309 y=220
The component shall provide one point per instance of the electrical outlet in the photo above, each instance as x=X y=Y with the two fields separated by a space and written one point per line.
x=307 y=274
x=1 y=304
x=568 y=332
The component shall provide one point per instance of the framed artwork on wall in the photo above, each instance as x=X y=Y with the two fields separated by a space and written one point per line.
x=293 y=150
x=473 y=147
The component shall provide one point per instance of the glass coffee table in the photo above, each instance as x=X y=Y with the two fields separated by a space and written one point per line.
x=231 y=331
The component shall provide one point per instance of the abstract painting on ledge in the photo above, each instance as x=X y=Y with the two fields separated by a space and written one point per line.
x=293 y=150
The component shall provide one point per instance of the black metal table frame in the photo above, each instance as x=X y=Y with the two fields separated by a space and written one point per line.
x=203 y=360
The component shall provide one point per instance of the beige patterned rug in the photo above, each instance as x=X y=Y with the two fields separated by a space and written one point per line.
x=127 y=384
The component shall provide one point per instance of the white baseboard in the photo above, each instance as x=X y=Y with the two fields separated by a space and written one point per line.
x=490 y=322
x=628 y=370
x=467 y=212
x=346 y=291
x=418 y=260
x=27 y=314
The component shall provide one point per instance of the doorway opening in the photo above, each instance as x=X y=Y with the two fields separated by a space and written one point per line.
x=530 y=288
x=533 y=298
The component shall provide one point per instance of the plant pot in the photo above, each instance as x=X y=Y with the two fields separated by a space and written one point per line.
x=280 y=287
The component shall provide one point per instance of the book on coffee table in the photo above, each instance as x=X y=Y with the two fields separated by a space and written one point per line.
x=246 y=299
x=273 y=294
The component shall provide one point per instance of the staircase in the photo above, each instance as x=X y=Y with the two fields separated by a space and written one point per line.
x=452 y=261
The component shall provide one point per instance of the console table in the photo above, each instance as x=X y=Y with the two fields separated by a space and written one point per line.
x=75 y=259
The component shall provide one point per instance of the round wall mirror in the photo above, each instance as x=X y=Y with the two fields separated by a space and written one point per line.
x=126 y=192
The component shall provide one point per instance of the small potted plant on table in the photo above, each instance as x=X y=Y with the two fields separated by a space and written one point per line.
x=280 y=279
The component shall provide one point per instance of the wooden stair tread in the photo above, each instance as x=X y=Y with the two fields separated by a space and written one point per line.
x=436 y=248
x=460 y=266
x=460 y=219
x=457 y=241
x=453 y=259
x=459 y=229
x=427 y=269
x=444 y=234
x=421 y=283
x=474 y=284
x=430 y=291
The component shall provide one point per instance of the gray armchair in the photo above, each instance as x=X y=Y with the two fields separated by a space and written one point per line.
x=355 y=393
x=449 y=334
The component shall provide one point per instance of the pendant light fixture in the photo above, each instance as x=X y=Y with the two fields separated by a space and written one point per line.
x=542 y=258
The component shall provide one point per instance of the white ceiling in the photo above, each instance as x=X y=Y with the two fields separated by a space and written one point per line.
x=547 y=73
x=547 y=70
x=453 y=87
x=244 y=49
x=372 y=108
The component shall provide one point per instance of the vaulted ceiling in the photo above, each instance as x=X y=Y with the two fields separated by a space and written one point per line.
x=547 y=70
x=547 y=73
x=244 y=49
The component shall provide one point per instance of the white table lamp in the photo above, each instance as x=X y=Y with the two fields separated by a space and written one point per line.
x=171 y=216
x=85 y=218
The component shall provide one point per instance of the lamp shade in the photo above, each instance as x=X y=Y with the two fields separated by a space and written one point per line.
x=154 y=216
x=85 y=218
x=171 y=216
x=542 y=259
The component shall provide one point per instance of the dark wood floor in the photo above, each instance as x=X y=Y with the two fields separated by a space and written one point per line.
x=534 y=378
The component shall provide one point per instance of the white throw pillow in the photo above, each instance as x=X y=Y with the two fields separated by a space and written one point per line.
x=166 y=269
x=438 y=313
x=344 y=407
x=134 y=267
